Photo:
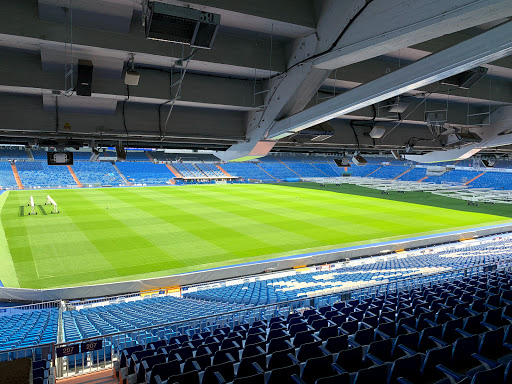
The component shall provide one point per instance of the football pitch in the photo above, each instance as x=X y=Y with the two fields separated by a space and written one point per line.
x=115 y=234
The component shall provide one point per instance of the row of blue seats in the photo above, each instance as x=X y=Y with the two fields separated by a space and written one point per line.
x=92 y=322
x=37 y=327
x=145 y=172
x=97 y=173
x=460 y=329
x=7 y=179
x=38 y=174
x=28 y=329
x=351 y=276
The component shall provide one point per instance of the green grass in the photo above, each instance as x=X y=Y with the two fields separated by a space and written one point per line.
x=107 y=235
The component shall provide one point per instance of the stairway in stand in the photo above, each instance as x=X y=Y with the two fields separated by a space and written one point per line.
x=260 y=167
x=288 y=167
x=223 y=170
x=372 y=172
x=73 y=174
x=403 y=173
x=102 y=377
x=174 y=171
x=29 y=154
x=121 y=174
x=319 y=170
x=16 y=176
x=474 y=178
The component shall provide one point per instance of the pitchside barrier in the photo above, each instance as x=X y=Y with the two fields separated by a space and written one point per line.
x=238 y=271
x=99 y=353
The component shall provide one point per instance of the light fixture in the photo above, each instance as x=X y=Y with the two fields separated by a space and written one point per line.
x=377 y=132
x=131 y=77
x=359 y=160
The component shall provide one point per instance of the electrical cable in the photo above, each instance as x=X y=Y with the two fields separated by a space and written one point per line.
x=124 y=116
x=56 y=114
x=373 y=119
x=333 y=45
x=409 y=114
x=179 y=83
x=355 y=134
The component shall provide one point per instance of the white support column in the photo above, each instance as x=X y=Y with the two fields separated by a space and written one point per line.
x=484 y=48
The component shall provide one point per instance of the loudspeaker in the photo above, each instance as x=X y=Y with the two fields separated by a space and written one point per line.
x=84 y=78
x=120 y=152
x=342 y=162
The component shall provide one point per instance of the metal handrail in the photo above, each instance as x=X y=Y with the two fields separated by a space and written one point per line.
x=113 y=340
x=281 y=304
x=42 y=303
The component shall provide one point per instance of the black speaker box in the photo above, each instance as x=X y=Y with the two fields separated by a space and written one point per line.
x=120 y=152
x=84 y=78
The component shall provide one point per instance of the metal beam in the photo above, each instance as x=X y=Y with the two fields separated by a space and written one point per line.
x=21 y=73
x=354 y=75
x=407 y=23
x=291 y=91
x=360 y=35
x=500 y=68
x=479 y=50
x=20 y=26
x=496 y=134
x=286 y=18
x=24 y=116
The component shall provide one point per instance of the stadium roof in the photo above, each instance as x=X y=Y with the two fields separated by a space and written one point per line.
x=275 y=68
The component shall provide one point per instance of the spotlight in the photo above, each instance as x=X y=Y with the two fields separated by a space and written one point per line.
x=359 y=160
x=488 y=163
x=377 y=132
x=94 y=155
x=131 y=77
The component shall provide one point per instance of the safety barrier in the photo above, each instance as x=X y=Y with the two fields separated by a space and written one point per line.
x=98 y=353
x=8 y=311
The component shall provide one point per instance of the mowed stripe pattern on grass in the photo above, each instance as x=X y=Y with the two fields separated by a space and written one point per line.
x=105 y=235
